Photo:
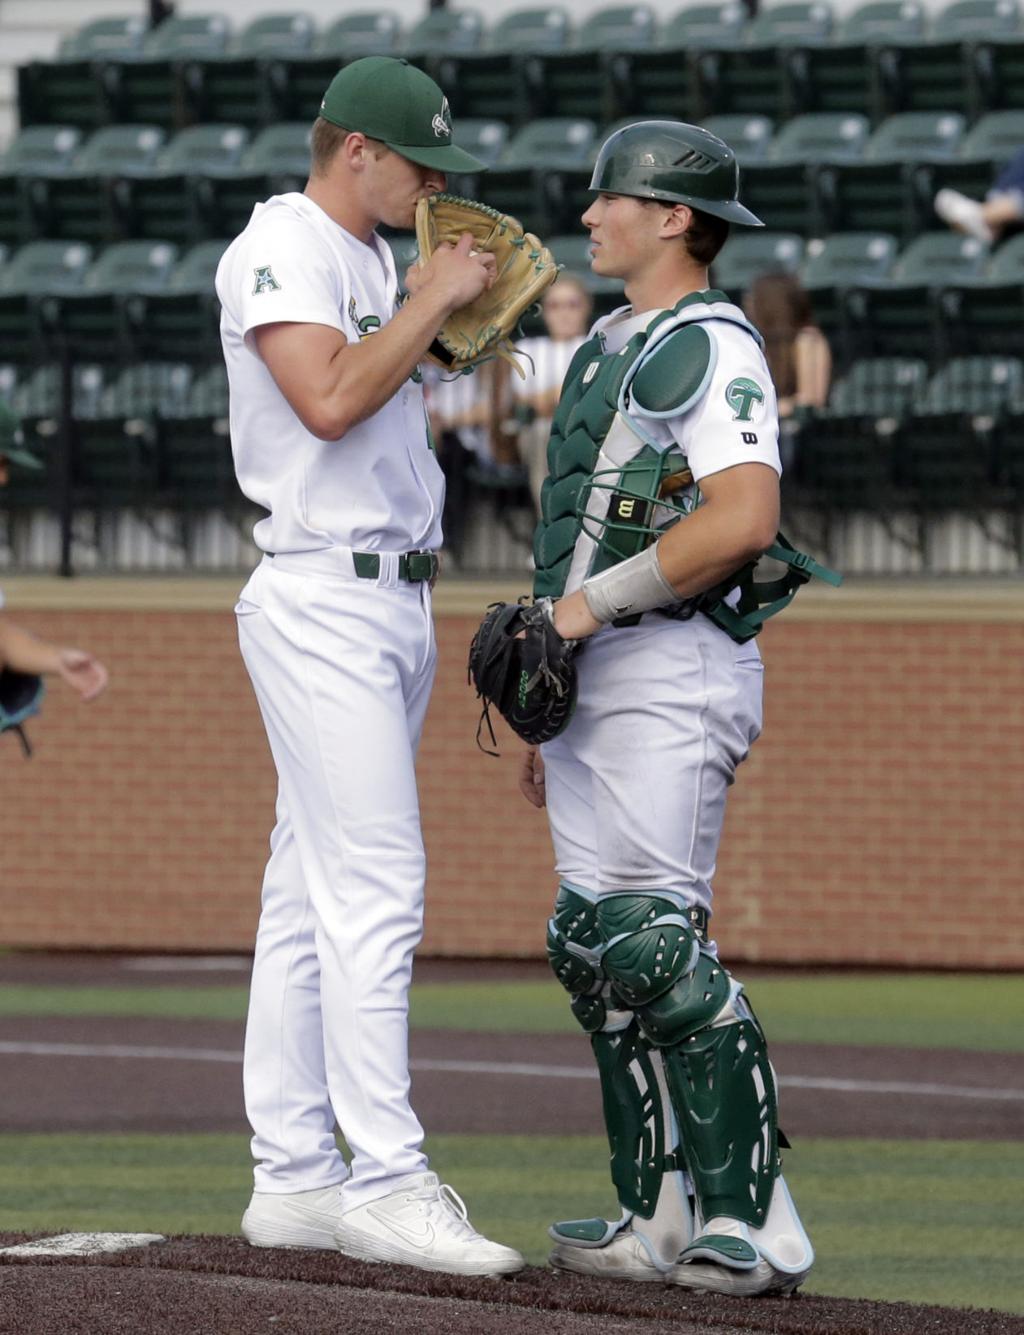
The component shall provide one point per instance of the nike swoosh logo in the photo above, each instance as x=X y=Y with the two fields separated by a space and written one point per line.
x=416 y=1237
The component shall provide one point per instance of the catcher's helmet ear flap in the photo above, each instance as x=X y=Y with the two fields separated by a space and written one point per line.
x=681 y=164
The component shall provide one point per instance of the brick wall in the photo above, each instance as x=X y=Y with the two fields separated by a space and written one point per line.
x=877 y=821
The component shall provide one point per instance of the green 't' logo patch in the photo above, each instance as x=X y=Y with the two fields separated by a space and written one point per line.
x=265 y=280
x=741 y=395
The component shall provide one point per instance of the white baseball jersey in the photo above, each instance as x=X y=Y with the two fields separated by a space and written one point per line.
x=708 y=433
x=380 y=488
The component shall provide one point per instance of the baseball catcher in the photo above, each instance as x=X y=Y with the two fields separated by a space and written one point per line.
x=525 y=267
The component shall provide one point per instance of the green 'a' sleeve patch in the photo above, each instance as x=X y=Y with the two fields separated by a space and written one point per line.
x=677 y=373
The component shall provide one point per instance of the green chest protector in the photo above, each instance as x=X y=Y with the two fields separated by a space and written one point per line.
x=612 y=488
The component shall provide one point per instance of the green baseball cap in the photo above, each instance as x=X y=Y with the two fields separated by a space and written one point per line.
x=12 y=441
x=393 y=101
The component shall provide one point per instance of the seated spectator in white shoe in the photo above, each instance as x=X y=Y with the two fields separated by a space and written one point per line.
x=1001 y=211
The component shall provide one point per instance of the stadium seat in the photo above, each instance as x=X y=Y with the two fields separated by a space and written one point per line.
x=753 y=77
x=88 y=322
x=298 y=83
x=234 y=86
x=41 y=267
x=486 y=140
x=782 y=189
x=662 y=82
x=842 y=75
x=975 y=385
x=901 y=314
x=73 y=88
x=751 y=252
x=877 y=193
x=834 y=263
x=276 y=162
x=749 y=137
x=195 y=466
x=997 y=72
x=846 y=464
x=77 y=201
x=36 y=148
x=443 y=31
x=938 y=74
x=180 y=322
x=984 y=313
x=152 y=87
x=582 y=81
x=533 y=178
x=160 y=200
x=984 y=150
x=490 y=82
x=879 y=387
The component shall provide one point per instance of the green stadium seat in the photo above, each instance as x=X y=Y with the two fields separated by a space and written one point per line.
x=297 y=83
x=984 y=313
x=782 y=188
x=879 y=387
x=751 y=252
x=181 y=322
x=88 y=323
x=77 y=201
x=277 y=161
x=73 y=88
x=490 y=82
x=39 y=394
x=152 y=87
x=36 y=148
x=901 y=314
x=443 y=32
x=41 y=267
x=662 y=82
x=939 y=74
x=749 y=137
x=753 y=77
x=842 y=75
x=160 y=201
x=845 y=464
x=997 y=72
x=535 y=176
x=583 y=81
x=988 y=385
x=486 y=140
x=833 y=264
x=196 y=469
x=148 y=389
x=234 y=86
x=878 y=192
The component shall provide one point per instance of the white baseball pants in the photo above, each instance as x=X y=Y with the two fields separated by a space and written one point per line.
x=342 y=669
x=636 y=784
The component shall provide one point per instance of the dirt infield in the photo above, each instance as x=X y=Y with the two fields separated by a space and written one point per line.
x=219 y=1286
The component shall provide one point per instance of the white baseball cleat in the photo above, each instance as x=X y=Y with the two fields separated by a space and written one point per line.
x=298 y=1219
x=964 y=214
x=425 y=1224
x=624 y=1257
x=761 y=1279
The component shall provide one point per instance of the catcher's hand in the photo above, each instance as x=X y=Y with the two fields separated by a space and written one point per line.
x=524 y=268
x=520 y=664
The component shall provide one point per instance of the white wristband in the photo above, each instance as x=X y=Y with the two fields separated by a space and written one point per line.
x=633 y=586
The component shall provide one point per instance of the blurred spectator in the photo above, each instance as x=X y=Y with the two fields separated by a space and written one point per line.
x=566 y=308
x=1001 y=210
x=470 y=445
x=796 y=350
x=20 y=651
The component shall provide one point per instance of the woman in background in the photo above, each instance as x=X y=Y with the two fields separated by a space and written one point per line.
x=796 y=350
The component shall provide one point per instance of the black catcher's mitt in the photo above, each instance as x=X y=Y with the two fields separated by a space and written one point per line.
x=21 y=694
x=520 y=664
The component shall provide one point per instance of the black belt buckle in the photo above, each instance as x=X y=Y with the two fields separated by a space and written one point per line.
x=420 y=565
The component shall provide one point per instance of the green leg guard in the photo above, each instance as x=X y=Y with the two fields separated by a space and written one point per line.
x=656 y=1220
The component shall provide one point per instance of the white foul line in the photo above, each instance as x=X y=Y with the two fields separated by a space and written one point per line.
x=224 y=1055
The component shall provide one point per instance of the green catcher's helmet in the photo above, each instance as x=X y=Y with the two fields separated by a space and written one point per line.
x=681 y=164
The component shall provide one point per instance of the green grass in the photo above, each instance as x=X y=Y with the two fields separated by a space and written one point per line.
x=933 y=1221
x=975 y=1011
